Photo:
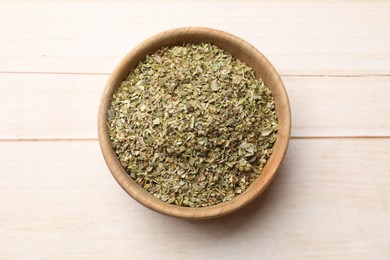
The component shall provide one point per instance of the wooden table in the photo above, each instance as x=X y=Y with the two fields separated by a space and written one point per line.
x=330 y=200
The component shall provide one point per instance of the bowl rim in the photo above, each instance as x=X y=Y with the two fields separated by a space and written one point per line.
x=214 y=36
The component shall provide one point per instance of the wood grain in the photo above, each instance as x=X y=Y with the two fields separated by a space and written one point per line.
x=298 y=37
x=57 y=106
x=331 y=199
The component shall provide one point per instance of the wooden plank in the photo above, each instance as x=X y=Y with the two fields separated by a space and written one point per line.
x=49 y=106
x=299 y=37
x=331 y=199
x=339 y=106
x=42 y=106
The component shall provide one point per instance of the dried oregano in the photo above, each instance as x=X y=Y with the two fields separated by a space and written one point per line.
x=192 y=125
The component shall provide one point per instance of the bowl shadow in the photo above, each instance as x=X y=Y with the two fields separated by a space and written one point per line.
x=258 y=210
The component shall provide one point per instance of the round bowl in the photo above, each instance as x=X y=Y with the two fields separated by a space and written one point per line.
x=241 y=50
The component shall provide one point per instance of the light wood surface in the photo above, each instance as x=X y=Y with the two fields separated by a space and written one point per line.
x=330 y=199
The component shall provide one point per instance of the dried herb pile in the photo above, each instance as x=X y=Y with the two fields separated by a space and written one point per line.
x=192 y=125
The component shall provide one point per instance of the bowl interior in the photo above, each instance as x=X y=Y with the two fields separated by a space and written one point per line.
x=240 y=50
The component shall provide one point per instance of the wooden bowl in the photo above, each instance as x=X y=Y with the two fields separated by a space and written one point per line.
x=240 y=50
